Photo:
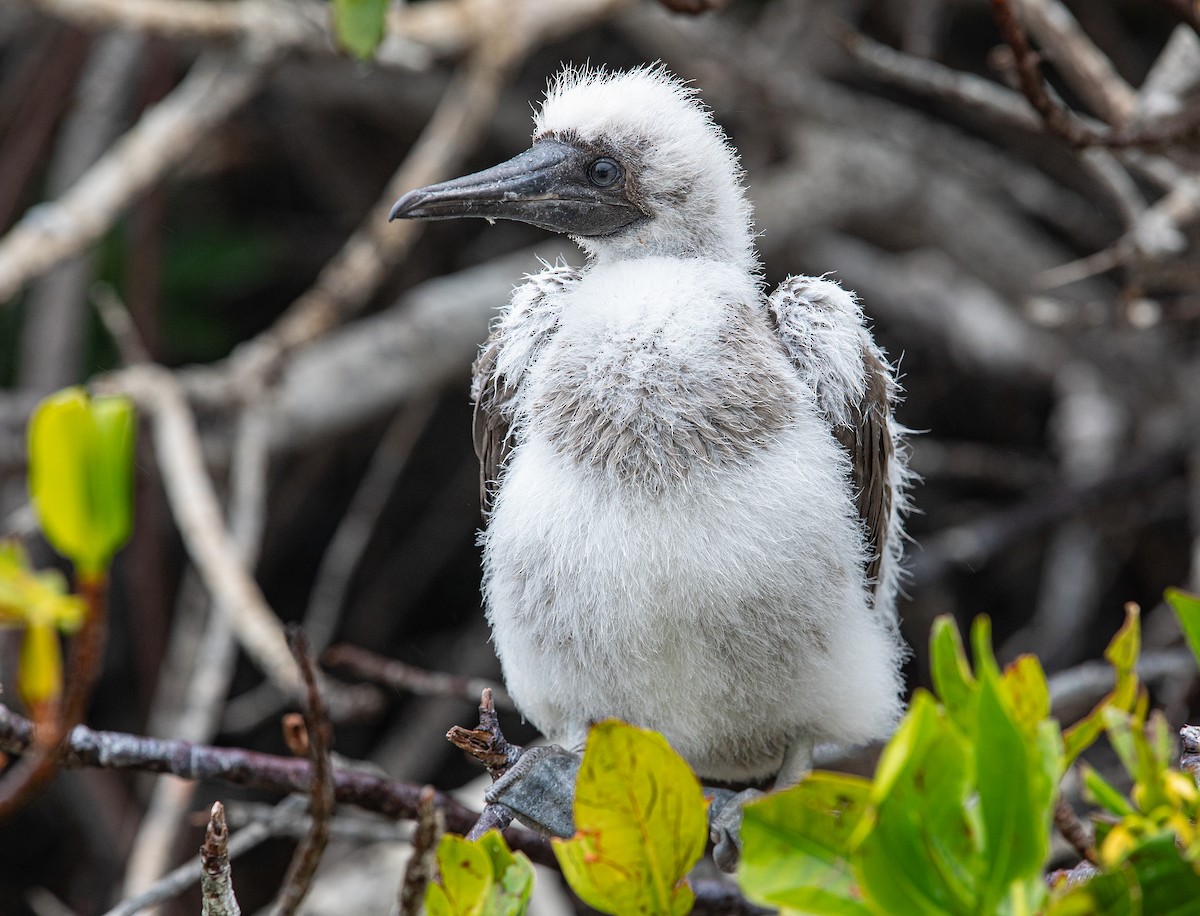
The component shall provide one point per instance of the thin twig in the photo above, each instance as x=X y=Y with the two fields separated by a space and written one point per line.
x=411 y=679
x=486 y=743
x=320 y=788
x=1073 y=831
x=422 y=865
x=216 y=876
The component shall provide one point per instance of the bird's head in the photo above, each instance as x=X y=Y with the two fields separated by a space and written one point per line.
x=626 y=163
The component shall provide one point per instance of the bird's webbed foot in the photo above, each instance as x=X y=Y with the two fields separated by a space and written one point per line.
x=535 y=785
x=539 y=788
x=725 y=808
x=725 y=824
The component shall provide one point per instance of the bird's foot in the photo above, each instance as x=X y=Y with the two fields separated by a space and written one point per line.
x=535 y=785
x=540 y=789
x=725 y=824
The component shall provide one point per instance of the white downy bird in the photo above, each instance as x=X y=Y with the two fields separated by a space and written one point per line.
x=694 y=491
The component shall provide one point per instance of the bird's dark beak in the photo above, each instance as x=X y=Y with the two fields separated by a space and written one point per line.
x=546 y=186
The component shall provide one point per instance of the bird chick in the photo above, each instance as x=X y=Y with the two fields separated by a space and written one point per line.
x=693 y=491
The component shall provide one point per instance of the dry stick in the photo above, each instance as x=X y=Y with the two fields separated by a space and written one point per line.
x=194 y=505
x=54 y=329
x=216 y=877
x=488 y=745
x=445 y=27
x=216 y=85
x=83 y=670
x=411 y=679
x=320 y=788
x=422 y=865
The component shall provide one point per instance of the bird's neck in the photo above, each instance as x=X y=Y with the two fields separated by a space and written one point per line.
x=716 y=228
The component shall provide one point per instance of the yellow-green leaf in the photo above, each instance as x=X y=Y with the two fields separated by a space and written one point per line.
x=31 y=598
x=360 y=25
x=465 y=879
x=1122 y=654
x=640 y=824
x=80 y=475
x=1026 y=692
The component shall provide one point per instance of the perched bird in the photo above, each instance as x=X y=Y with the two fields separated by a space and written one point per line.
x=693 y=491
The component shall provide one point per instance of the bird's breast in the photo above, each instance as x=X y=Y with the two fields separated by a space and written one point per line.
x=652 y=391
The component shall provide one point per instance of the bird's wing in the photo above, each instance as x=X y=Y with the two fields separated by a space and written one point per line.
x=517 y=338
x=822 y=331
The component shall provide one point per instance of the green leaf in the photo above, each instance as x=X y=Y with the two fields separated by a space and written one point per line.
x=512 y=877
x=640 y=821
x=952 y=677
x=81 y=475
x=1187 y=612
x=1098 y=791
x=1017 y=780
x=360 y=25
x=796 y=846
x=921 y=853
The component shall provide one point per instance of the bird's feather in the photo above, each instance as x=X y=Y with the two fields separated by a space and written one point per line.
x=516 y=339
x=822 y=331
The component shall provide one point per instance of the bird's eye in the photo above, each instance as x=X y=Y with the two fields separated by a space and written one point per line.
x=604 y=172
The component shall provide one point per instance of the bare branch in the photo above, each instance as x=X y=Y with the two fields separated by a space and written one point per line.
x=1083 y=65
x=115 y=750
x=1118 y=105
